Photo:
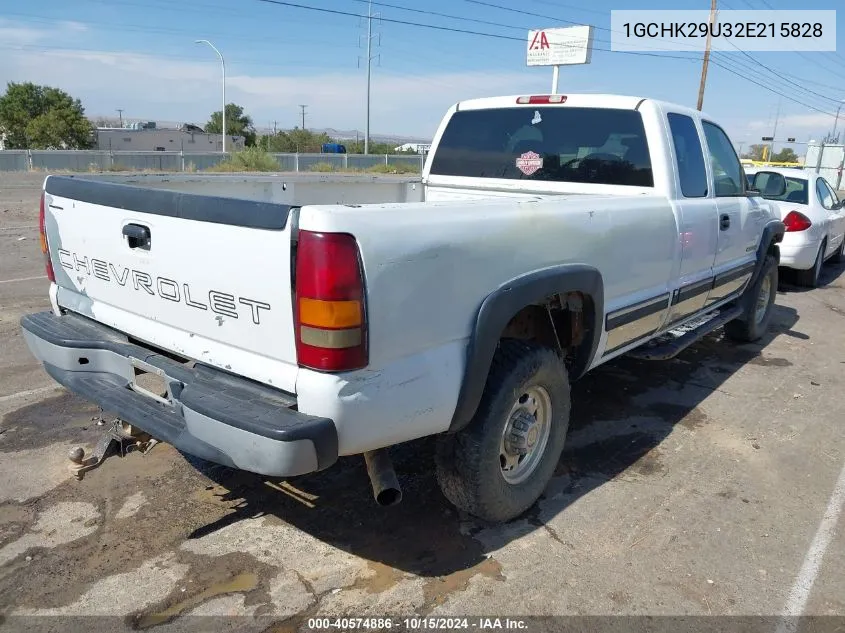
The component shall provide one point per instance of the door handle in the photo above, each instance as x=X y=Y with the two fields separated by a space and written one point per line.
x=724 y=222
x=137 y=236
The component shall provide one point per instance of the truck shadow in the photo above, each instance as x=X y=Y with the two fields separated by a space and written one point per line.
x=829 y=276
x=622 y=411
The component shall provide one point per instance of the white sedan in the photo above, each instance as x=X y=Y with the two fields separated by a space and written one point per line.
x=813 y=215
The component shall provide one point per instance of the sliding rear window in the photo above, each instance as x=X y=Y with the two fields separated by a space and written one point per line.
x=557 y=144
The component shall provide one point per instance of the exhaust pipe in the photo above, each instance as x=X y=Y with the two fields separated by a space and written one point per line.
x=386 y=488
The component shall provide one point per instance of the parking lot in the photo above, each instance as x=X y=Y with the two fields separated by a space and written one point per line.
x=708 y=485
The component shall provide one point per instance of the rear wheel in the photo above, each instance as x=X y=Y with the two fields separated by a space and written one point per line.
x=810 y=278
x=499 y=465
x=753 y=324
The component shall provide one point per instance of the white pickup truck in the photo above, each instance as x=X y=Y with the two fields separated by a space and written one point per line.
x=291 y=320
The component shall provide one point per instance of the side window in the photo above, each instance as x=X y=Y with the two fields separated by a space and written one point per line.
x=826 y=197
x=728 y=177
x=691 y=168
x=832 y=192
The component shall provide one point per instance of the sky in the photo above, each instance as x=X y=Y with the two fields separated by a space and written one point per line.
x=141 y=56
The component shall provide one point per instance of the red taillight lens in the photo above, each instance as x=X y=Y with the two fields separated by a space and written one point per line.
x=45 y=250
x=539 y=99
x=796 y=221
x=329 y=314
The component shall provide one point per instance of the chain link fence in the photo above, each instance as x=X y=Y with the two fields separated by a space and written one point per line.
x=99 y=160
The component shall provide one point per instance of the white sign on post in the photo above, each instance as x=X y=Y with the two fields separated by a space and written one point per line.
x=559 y=47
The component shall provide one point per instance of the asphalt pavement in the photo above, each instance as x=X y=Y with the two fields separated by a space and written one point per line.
x=709 y=485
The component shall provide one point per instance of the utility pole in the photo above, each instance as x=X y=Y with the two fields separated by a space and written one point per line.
x=706 y=61
x=775 y=131
x=370 y=58
x=836 y=123
x=120 y=112
x=303 y=116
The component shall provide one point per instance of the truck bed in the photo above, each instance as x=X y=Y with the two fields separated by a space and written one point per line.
x=289 y=189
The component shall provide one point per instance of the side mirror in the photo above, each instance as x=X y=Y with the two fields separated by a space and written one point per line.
x=770 y=184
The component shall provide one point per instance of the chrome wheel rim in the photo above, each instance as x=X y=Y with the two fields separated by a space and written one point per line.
x=526 y=434
x=763 y=299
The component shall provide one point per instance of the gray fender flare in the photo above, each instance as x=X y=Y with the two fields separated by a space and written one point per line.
x=772 y=235
x=500 y=306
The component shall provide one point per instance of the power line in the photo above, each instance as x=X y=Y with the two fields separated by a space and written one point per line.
x=772 y=90
x=436 y=27
x=778 y=75
x=136 y=28
x=802 y=54
x=507 y=37
x=721 y=64
x=441 y=15
x=569 y=6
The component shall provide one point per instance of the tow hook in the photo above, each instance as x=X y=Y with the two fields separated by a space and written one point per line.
x=121 y=439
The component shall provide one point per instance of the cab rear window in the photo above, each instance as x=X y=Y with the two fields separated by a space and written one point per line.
x=555 y=144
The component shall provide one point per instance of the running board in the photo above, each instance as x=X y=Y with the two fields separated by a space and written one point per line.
x=684 y=336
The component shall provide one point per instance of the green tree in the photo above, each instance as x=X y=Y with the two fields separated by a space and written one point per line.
x=41 y=117
x=237 y=123
x=755 y=152
x=786 y=155
x=295 y=140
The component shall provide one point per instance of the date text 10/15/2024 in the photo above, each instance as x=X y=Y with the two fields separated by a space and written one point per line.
x=416 y=624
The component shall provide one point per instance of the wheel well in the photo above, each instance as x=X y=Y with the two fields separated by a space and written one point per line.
x=562 y=322
x=774 y=251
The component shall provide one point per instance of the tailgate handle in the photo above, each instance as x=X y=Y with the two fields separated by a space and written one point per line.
x=137 y=236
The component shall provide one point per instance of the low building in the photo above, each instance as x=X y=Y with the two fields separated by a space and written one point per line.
x=186 y=139
x=419 y=148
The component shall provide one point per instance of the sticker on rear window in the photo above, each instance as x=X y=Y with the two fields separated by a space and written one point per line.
x=529 y=162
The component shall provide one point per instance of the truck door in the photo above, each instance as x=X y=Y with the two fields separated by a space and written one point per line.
x=740 y=217
x=697 y=219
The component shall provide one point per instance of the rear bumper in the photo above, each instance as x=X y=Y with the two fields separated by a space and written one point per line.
x=798 y=253
x=213 y=415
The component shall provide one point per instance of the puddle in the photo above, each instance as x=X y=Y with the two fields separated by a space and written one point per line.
x=437 y=590
x=382 y=578
x=242 y=583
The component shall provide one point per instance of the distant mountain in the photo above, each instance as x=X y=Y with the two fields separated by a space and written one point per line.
x=379 y=138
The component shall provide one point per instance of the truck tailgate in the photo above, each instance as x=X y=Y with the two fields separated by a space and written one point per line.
x=205 y=277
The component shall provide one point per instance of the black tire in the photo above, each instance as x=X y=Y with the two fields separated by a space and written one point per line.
x=810 y=278
x=469 y=467
x=839 y=256
x=751 y=326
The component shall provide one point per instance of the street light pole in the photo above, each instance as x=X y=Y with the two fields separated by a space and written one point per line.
x=223 y=66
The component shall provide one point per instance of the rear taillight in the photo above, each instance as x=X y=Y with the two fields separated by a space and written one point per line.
x=538 y=99
x=796 y=221
x=329 y=314
x=45 y=250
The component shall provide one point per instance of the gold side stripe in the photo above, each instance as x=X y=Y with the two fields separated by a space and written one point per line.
x=331 y=339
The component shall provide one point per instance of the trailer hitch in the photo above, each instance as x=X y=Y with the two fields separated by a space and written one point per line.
x=120 y=439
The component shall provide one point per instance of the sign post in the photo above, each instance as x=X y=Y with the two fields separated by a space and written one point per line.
x=559 y=47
